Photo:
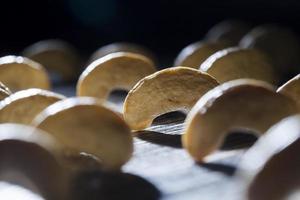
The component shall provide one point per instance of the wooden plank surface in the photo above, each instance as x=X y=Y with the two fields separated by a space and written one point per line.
x=160 y=159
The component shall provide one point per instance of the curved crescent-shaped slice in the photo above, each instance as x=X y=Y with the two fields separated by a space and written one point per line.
x=270 y=169
x=4 y=91
x=30 y=157
x=122 y=47
x=114 y=71
x=279 y=43
x=84 y=125
x=19 y=73
x=240 y=104
x=292 y=88
x=57 y=56
x=165 y=91
x=229 y=31
x=21 y=107
x=236 y=63
x=196 y=53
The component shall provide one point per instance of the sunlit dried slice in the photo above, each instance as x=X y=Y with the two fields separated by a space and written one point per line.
x=19 y=73
x=196 y=53
x=122 y=47
x=165 y=91
x=84 y=125
x=4 y=91
x=57 y=56
x=240 y=104
x=230 y=31
x=270 y=169
x=279 y=43
x=236 y=63
x=22 y=107
x=292 y=88
x=114 y=71
x=30 y=158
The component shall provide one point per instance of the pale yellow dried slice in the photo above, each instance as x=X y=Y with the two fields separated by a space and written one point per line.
x=114 y=71
x=269 y=170
x=22 y=107
x=4 y=91
x=196 y=53
x=122 y=47
x=240 y=104
x=19 y=73
x=84 y=125
x=235 y=63
x=291 y=88
x=56 y=56
x=165 y=91
x=30 y=158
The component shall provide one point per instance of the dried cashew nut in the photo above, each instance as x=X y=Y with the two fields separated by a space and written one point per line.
x=235 y=63
x=230 y=31
x=19 y=73
x=114 y=71
x=122 y=47
x=84 y=125
x=270 y=169
x=291 y=88
x=4 y=91
x=56 y=56
x=21 y=107
x=29 y=157
x=196 y=53
x=279 y=43
x=165 y=91
x=239 y=104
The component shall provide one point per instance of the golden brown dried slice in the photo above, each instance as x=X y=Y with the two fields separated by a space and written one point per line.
x=236 y=63
x=270 y=169
x=230 y=31
x=4 y=91
x=19 y=73
x=122 y=47
x=292 y=88
x=165 y=91
x=114 y=71
x=196 y=53
x=21 y=107
x=57 y=56
x=84 y=125
x=29 y=157
x=279 y=43
x=240 y=104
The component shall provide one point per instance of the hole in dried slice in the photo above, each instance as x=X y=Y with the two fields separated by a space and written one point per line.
x=84 y=125
x=270 y=169
x=230 y=31
x=196 y=53
x=4 y=91
x=165 y=91
x=115 y=71
x=291 y=88
x=240 y=104
x=57 y=56
x=22 y=107
x=236 y=63
x=29 y=158
x=19 y=73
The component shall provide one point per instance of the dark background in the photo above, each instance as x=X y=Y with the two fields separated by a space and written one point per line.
x=164 y=26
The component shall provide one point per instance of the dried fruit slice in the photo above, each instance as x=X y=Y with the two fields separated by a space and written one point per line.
x=84 y=125
x=21 y=107
x=292 y=88
x=196 y=53
x=114 y=71
x=240 y=104
x=165 y=91
x=19 y=73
